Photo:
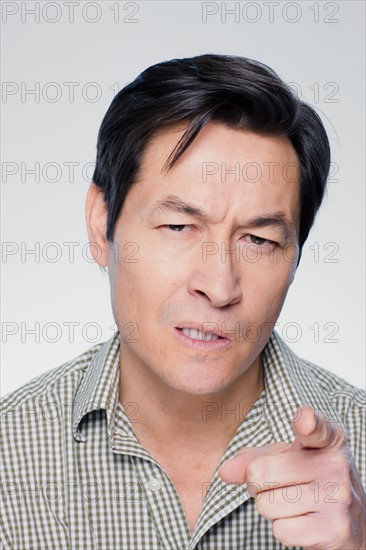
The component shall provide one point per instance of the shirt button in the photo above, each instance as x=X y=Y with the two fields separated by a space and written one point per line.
x=154 y=484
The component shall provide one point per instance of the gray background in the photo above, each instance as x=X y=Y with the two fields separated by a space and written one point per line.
x=316 y=46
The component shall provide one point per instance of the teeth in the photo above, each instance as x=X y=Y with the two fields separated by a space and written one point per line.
x=198 y=334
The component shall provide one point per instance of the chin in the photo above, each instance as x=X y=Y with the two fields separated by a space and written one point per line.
x=200 y=386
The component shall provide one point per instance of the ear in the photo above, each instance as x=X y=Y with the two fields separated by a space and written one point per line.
x=96 y=222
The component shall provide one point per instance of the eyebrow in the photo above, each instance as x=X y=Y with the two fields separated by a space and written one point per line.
x=172 y=203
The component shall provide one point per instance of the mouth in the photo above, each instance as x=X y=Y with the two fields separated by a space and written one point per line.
x=197 y=334
x=211 y=340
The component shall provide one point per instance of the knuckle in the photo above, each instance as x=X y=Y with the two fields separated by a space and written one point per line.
x=262 y=468
x=253 y=470
x=340 y=465
x=345 y=500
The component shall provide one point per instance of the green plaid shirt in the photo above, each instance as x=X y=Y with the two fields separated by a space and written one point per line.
x=76 y=477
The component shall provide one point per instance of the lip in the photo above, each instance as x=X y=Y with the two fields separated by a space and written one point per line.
x=200 y=326
x=201 y=345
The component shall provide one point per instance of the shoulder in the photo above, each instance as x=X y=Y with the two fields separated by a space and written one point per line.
x=319 y=379
x=36 y=420
x=62 y=380
x=335 y=386
x=349 y=401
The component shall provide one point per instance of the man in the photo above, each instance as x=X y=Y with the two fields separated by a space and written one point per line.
x=195 y=425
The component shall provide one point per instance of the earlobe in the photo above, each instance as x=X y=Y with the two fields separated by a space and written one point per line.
x=96 y=222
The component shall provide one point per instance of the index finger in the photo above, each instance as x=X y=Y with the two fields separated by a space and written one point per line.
x=313 y=430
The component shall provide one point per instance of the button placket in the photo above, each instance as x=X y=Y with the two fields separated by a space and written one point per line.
x=164 y=505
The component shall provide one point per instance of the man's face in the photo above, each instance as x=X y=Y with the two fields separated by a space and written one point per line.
x=229 y=271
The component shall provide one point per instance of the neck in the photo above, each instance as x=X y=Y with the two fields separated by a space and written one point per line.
x=165 y=415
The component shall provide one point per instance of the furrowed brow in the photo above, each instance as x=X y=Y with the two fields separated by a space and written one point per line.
x=172 y=203
x=277 y=219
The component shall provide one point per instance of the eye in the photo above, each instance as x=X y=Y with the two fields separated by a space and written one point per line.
x=259 y=241
x=177 y=228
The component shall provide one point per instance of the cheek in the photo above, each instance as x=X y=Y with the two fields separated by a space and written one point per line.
x=266 y=291
x=139 y=284
x=277 y=271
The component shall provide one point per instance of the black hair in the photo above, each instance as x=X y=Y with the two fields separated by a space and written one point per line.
x=236 y=91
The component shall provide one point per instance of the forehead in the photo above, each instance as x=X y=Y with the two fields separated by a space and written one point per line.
x=217 y=143
x=221 y=165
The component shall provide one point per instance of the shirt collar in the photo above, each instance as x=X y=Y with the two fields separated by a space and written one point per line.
x=99 y=386
x=289 y=384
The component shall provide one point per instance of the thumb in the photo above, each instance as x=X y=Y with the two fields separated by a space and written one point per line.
x=234 y=469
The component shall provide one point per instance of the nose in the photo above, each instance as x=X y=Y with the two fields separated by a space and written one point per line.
x=217 y=279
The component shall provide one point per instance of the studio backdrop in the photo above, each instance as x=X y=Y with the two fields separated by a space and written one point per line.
x=62 y=64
